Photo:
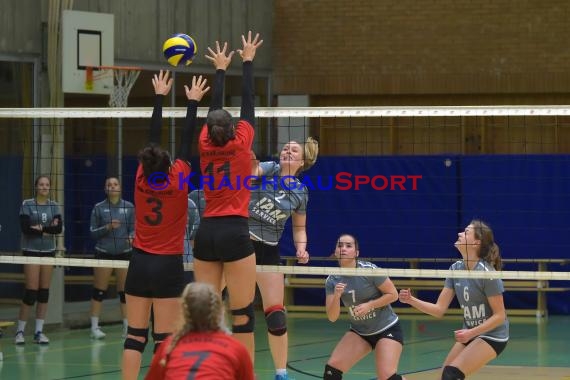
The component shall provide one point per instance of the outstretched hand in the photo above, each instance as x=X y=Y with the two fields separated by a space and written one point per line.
x=219 y=58
x=198 y=88
x=162 y=83
x=249 y=47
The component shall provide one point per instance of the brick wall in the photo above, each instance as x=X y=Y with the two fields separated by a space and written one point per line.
x=422 y=47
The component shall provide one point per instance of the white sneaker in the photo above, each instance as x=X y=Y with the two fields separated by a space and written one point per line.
x=40 y=338
x=97 y=333
x=19 y=338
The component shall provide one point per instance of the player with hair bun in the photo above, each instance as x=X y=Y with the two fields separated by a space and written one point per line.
x=222 y=248
x=155 y=277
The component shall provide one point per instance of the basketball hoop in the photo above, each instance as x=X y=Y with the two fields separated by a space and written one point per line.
x=124 y=78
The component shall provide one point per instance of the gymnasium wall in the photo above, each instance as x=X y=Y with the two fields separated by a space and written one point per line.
x=403 y=48
x=141 y=26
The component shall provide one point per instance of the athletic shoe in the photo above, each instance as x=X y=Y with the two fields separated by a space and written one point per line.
x=40 y=338
x=19 y=338
x=283 y=377
x=97 y=334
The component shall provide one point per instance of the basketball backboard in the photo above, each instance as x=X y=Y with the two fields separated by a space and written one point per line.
x=88 y=41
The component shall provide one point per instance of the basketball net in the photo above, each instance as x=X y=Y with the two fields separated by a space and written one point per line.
x=124 y=78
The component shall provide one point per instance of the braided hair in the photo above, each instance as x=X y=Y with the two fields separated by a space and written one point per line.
x=203 y=311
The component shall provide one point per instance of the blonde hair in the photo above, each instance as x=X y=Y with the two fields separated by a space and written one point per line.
x=203 y=311
x=310 y=153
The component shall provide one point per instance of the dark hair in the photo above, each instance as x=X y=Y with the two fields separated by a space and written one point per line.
x=353 y=238
x=488 y=249
x=40 y=177
x=220 y=128
x=154 y=159
x=112 y=177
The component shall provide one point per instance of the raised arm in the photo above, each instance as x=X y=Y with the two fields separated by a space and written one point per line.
x=162 y=85
x=194 y=95
x=247 y=93
x=221 y=59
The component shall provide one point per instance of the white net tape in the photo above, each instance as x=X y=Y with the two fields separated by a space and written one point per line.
x=314 y=271
x=290 y=112
x=124 y=80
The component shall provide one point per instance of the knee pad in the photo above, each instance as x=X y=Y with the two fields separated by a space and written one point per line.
x=98 y=295
x=30 y=297
x=158 y=339
x=249 y=325
x=331 y=373
x=133 y=344
x=276 y=320
x=122 y=297
x=395 y=377
x=43 y=295
x=452 y=373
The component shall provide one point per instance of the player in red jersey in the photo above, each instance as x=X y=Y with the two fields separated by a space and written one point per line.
x=222 y=246
x=201 y=349
x=155 y=277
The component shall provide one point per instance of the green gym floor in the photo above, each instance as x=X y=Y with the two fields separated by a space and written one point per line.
x=537 y=350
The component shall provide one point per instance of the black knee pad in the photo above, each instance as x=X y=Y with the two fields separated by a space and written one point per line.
x=99 y=295
x=452 y=373
x=331 y=373
x=249 y=325
x=122 y=297
x=159 y=337
x=395 y=377
x=43 y=295
x=133 y=344
x=30 y=297
x=276 y=320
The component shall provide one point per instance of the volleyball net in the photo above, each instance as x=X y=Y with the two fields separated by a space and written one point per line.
x=403 y=180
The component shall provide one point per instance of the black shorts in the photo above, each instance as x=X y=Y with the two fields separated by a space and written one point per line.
x=394 y=332
x=38 y=254
x=497 y=346
x=224 y=238
x=266 y=254
x=155 y=276
x=125 y=256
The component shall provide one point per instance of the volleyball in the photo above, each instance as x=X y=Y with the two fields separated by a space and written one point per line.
x=179 y=50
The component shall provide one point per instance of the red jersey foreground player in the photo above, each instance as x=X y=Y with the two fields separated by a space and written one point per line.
x=156 y=273
x=222 y=246
x=201 y=348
